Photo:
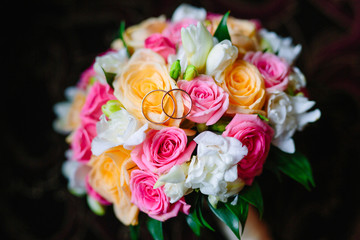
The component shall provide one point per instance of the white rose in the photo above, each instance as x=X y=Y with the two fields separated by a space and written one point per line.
x=76 y=173
x=187 y=11
x=283 y=46
x=287 y=114
x=215 y=165
x=220 y=57
x=112 y=62
x=122 y=129
x=197 y=42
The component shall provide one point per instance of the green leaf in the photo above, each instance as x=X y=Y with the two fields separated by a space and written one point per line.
x=195 y=219
x=95 y=206
x=227 y=216
x=134 y=232
x=198 y=212
x=194 y=223
x=271 y=165
x=222 y=31
x=296 y=166
x=109 y=77
x=202 y=220
x=252 y=194
x=263 y=117
x=121 y=36
x=240 y=209
x=155 y=228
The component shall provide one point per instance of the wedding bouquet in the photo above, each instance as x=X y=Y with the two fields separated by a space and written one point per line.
x=183 y=112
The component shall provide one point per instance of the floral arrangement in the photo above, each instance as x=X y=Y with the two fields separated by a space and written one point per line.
x=185 y=111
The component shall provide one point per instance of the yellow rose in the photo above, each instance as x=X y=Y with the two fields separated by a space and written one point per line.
x=135 y=36
x=245 y=86
x=147 y=71
x=110 y=177
x=242 y=33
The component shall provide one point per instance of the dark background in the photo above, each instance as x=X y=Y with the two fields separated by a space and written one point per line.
x=49 y=43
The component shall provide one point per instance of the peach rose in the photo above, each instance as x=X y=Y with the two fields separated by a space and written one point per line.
x=242 y=33
x=147 y=71
x=73 y=117
x=110 y=177
x=245 y=86
x=68 y=112
x=135 y=36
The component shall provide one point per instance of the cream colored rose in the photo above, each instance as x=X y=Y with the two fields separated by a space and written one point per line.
x=242 y=33
x=110 y=177
x=69 y=112
x=145 y=72
x=245 y=86
x=73 y=118
x=135 y=36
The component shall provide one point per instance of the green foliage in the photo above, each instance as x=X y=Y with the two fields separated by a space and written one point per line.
x=109 y=77
x=121 y=36
x=233 y=214
x=227 y=216
x=240 y=209
x=135 y=232
x=195 y=219
x=155 y=228
x=194 y=223
x=222 y=31
x=296 y=166
x=252 y=194
x=263 y=118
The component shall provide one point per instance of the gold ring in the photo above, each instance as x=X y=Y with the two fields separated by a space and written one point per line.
x=162 y=104
x=142 y=106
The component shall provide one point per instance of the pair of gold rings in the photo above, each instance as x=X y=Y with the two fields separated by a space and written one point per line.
x=169 y=116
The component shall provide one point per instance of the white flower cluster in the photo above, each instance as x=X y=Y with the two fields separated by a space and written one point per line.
x=213 y=171
x=122 y=129
x=282 y=46
x=286 y=115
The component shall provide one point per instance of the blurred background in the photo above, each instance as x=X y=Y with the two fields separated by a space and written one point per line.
x=48 y=45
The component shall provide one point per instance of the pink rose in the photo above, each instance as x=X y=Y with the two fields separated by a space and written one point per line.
x=81 y=142
x=257 y=23
x=210 y=101
x=273 y=69
x=256 y=135
x=173 y=30
x=99 y=94
x=92 y=193
x=211 y=16
x=152 y=201
x=86 y=78
x=161 y=45
x=163 y=149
